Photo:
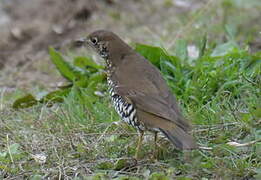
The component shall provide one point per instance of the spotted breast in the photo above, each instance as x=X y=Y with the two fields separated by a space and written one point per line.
x=126 y=110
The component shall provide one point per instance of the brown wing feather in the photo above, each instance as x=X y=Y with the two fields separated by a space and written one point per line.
x=156 y=106
x=149 y=92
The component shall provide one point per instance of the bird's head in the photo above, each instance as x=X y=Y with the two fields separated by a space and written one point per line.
x=107 y=44
x=102 y=41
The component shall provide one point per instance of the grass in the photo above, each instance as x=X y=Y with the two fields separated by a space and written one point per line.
x=82 y=138
x=220 y=94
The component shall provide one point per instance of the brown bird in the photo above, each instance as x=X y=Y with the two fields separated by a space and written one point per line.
x=139 y=93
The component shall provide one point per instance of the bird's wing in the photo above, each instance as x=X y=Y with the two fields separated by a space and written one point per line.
x=143 y=84
x=156 y=105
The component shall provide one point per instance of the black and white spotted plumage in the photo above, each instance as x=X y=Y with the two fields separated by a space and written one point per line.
x=139 y=93
x=125 y=109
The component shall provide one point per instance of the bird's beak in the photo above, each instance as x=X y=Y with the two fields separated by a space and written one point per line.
x=81 y=42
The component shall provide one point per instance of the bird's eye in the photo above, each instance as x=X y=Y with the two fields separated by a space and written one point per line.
x=94 y=40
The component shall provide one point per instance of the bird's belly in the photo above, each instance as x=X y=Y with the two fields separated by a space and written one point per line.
x=125 y=109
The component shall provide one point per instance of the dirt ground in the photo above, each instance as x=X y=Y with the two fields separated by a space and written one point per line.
x=29 y=27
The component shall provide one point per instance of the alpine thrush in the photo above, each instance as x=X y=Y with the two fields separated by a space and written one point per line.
x=139 y=93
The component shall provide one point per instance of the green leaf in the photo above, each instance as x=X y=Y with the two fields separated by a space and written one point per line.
x=86 y=63
x=52 y=97
x=83 y=82
x=202 y=46
x=14 y=148
x=56 y=96
x=231 y=31
x=152 y=53
x=223 y=49
x=181 y=49
x=65 y=68
x=25 y=102
x=167 y=66
x=97 y=77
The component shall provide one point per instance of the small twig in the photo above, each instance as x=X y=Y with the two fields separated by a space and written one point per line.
x=8 y=147
x=95 y=134
x=235 y=144
x=205 y=148
x=41 y=114
x=214 y=127
x=2 y=99
x=102 y=135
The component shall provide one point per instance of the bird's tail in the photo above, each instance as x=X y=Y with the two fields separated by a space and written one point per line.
x=181 y=139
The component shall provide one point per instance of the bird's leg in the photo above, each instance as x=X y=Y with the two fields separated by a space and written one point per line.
x=155 y=145
x=141 y=133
